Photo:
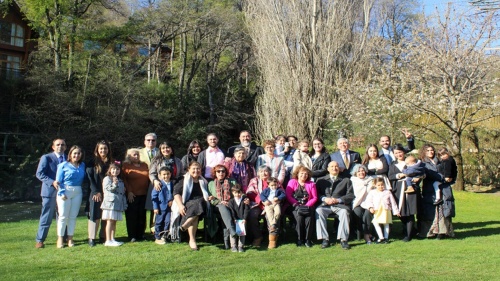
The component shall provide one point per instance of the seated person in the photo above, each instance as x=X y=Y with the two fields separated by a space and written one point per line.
x=336 y=195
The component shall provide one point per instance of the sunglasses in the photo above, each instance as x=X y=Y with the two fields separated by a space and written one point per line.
x=220 y=171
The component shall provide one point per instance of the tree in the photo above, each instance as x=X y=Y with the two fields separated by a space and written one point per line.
x=309 y=53
x=444 y=78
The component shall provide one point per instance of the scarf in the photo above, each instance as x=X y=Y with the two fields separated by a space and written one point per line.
x=240 y=173
x=223 y=190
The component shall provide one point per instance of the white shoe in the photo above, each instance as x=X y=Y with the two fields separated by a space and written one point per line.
x=112 y=243
x=118 y=242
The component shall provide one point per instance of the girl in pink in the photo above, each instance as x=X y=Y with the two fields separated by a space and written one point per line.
x=380 y=202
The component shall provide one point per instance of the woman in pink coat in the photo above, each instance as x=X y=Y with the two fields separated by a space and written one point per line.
x=302 y=195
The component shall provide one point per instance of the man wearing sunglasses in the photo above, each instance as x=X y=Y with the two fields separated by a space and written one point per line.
x=149 y=151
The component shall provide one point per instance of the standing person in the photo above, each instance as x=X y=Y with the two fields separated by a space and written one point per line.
x=408 y=203
x=320 y=159
x=345 y=158
x=301 y=155
x=191 y=200
x=302 y=195
x=211 y=157
x=147 y=153
x=335 y=194
x=46 y=173
x=435 y=220
x=239 y=169
x=135 y=175
x=69 y=178
x=275 y=163
x=239 y=211
x=166 y=158
x=162 y=202
x=386 y=149
x=252 y=150
x=193 y=151
x=114 y=203
x=96 y=171
x=377 y=165
x=379 y=203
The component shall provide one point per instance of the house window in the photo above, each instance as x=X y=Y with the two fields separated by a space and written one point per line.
x=12 y=34
x=10 y=65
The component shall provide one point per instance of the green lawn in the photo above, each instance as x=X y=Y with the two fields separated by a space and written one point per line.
x=472 y=255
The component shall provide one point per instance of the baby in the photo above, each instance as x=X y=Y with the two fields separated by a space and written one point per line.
x=413 y=169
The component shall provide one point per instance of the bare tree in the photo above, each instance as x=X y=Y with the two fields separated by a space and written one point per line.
x=309 y=54
x=445 y=78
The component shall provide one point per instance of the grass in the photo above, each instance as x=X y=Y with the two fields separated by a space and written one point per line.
x=473 y=254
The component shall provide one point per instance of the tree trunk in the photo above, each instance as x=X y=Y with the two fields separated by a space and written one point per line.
x=457 y=148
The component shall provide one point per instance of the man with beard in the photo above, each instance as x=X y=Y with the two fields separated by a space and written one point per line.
x=386 y=149
x=252 y=150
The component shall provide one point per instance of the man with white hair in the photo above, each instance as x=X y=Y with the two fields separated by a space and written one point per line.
x=345 y=158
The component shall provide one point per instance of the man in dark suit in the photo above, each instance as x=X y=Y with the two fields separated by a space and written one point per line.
x=345 y=158
x=253 y=151
x=386 y=149
x=46 y=173
x=336 y=195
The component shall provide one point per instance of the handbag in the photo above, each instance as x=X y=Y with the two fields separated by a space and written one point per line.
x=303 y=211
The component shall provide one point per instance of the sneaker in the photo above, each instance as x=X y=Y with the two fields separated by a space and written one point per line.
x=112 y=243
x=241 y=250
x=160 y=241
x=118 y=242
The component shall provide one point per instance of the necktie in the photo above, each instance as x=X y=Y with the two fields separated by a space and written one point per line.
x=150 y=154
x=346 y=160
x=61 y=159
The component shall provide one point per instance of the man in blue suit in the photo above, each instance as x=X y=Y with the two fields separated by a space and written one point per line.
x=345 y=158
x=46 y=173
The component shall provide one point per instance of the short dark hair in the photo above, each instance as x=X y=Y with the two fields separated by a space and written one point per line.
x=164 y=168
x=236 y=188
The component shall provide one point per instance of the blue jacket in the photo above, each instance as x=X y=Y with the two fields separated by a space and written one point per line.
x=46 y=173
x=161 y=198
x=280 y=193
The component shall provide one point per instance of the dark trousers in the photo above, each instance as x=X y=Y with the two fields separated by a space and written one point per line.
x=136 y=217
x=363 y=220
x=162 y=223
x=304 y=225
x=408 y=225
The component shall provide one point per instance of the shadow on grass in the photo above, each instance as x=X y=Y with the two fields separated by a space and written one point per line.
x=476 y=229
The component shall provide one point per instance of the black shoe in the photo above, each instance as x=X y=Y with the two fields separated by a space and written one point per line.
x=381 y=241
x=325 y=244
x=439 y=237
x=438 y=201
x=308 y=244
x=406 y=239
x=91 y=243
x=344 y=245
x=300 y=243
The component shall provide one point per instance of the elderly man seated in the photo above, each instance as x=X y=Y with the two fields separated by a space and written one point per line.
x=336 y=195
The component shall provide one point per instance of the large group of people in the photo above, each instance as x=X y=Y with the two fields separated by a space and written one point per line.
x=233 y=191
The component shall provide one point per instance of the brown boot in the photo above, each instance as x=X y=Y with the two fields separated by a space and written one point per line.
x=272 y=241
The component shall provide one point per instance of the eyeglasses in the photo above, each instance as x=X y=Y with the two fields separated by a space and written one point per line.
x=151 y=140
x=221 y=171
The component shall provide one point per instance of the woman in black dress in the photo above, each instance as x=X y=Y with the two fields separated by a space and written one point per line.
x=407 y=202
x=191 y=199
x=96 y=172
